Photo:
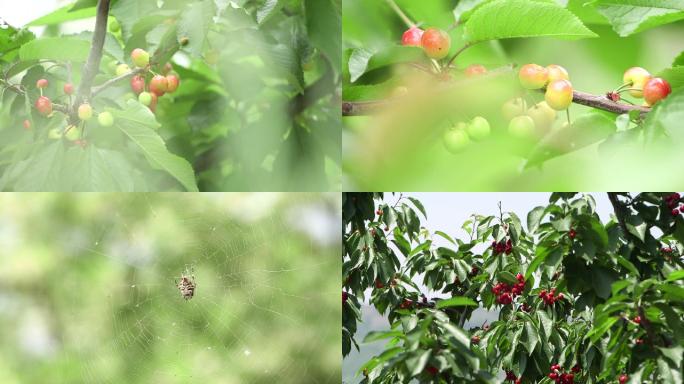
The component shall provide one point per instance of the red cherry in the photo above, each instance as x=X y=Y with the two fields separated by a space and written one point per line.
x=675 y=212
x=655 y=90
x=345 y=296
x=412 y=37
x=166 y=68
x=475 y=339
x=158 y=85
x=623 y=379
x=138 y=84
x=520 y=277
x=560 y=296
x=27 y=124
x=42 y=83
x=68 y=88
x=172 y=81
x=153 y=103
x=637 y=319
x=379 y=284
x=475 y=70
x=431 y=370
x=572 y=234
x=553 y=375
x=576 y=368
x=44 y=105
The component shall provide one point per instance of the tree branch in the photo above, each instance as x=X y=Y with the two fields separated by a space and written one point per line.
x=111 y=82
x=360 y=108
x=92 y=66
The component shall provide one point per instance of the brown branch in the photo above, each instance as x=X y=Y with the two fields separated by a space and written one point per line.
x=111 y=82
x=360 y=108
x=92 y=66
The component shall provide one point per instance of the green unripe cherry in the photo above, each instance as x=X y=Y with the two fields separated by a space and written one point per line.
x=145 y=98
x=456 y=139
x=105 y=119
x=140 y=58
x=521 y=127
x=478 y=128
x=72 y=133
x=122 y=69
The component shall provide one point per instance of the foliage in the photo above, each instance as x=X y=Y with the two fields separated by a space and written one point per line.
x=619 y=295
x=413 y=100
x=254 y=109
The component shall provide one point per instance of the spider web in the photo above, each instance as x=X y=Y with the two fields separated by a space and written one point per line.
x=265 y=302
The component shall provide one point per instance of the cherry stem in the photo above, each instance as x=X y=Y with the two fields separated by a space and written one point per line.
x=401 y=13
x=567 y=114
x=629 y=89
x=463 y=48
x=623 y=86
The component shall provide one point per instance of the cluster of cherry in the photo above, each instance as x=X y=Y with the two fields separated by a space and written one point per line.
x=550 y=297
x=510 y=376
x=672 y=201
x=502 y=247
x=505 y=292
x=559 y=376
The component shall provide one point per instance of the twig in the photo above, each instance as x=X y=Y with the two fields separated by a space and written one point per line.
x=401 y=13
x=463 y=48
x=111 y=82
x=95 y=56
x=17 y=89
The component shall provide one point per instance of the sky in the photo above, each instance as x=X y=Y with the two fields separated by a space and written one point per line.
x=447 y=212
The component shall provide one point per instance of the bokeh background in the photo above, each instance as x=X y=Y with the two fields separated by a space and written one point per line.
x=87 y=293
x=401 y=148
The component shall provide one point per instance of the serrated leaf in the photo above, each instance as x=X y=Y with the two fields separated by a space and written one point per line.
x=600 y=328
x=457 y=301
x=631 y=16
x=418 y=205
x=460 y=335
x=674 y=76
x=138 y=124
x=503 y=19
x=666 y=117
x=194 y=25
x=61 y=15
x=534 y=218
x=324 y=23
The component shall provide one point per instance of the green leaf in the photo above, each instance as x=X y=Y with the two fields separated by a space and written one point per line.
x=376 y=335
x=416 y=364
x=138 y=124
x=584 y=131
x=676 y=275
x=675 y=354
x=531 y=336
x=62 y=15
x=679 y=60
x=534 y=217
x=266 y=10
x=457 y=301
x=601 y=280
x=503 y=19
x=460 y=335
x=631 y=16
x=542 y=252
x=636 y=226
x=669 y=374
x=129 y=12
x=418 y=205
x=444 y=235
x=674 y=76
x=506 y=277
x=97 y=170
x=194 y=25
x=545 y=322
x=666 y=117
x=601 y=328
x=42 y=172
x=56 y=48
x=627 y=264
x=324 y=23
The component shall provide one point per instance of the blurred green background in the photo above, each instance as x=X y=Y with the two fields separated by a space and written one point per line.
x=87 y=293
x=401 y=147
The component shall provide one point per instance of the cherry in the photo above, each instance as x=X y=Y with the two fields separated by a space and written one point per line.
x=122 y=69
x=436 y=43
x=55 y=134
x=543 y=117
x=533 y=76
x=72 y=133
x=675 y=212
x=456 y=139
x=138 y=84
x=412 y=37
x=556 y=72
x=637 y=319
x=406 y=304
x=559 y=94
x=655 y=90
x=105 y=119
x=44 y=105
x=478 y=128
x=172 y=81
x=166 y=69
x=475 y=70
x=114 y=26
x=623 y=379
x=68 y=88
x=576 y=368
x=555 y=367
x=159 y=85
x=636 y=77
x=521 y=127
x=639 y=341
x=520 y=277
x=42 y=83
x=27 y=124
x=553 y=375
x=140 y=57
x=510 y=376
x=345 y=296
x=572 y=233
x=85 y=111
x=145 y=98
x=475 y=339
x=431 y=370
x=378 y=212
x=379 y=284
x=514 y=107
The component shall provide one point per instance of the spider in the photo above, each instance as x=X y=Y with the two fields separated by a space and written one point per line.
x=187 y=285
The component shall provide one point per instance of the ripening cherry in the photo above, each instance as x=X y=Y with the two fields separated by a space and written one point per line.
x=623 y=379
x=68 y=88
x=138 y=84
x=655 y=90
x=436 y=43
x=559 y=94
x=637 y=78
x=27 y=124
x=42 y=83
x=153 y=103
x=71 y=133
x=345 y=296
x=475 y=70
x=166 y=69
x=44 y=105
x=159 y=85
x=105 y=119
x=172 y=82
x=556 y=72
x=140 y=57
x=533 y=76
x=412 y=37
x=122 y=69
x=85 y=112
